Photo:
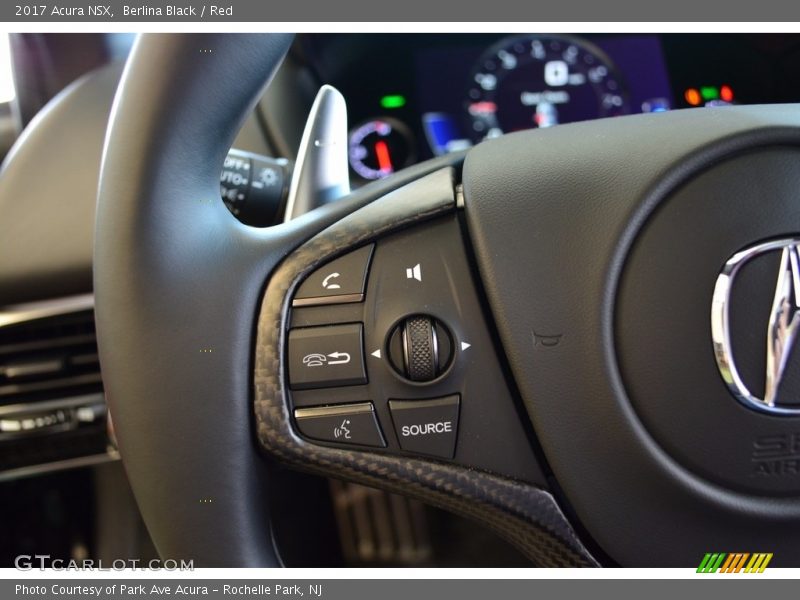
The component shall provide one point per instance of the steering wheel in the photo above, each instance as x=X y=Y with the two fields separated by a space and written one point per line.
x=559 y=334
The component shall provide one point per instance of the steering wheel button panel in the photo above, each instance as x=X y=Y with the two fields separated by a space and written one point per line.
x=347 y=424
x=427 y=426
x=326 y=356
x=433 y=375
x=340 y=281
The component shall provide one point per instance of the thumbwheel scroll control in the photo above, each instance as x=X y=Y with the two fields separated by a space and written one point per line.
x=420 y=348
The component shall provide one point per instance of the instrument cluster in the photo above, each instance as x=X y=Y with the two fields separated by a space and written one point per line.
x=411 y=97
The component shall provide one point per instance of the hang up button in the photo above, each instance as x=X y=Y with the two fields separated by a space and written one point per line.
x=427 y=426
x=327 y=356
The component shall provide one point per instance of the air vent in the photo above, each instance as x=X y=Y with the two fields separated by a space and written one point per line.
x=52 y=410
x=50 y=358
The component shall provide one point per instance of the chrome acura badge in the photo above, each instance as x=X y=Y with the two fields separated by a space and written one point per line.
x=781 y=331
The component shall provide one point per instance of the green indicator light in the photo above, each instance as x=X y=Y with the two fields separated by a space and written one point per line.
x=709 y=92
x=393 y=101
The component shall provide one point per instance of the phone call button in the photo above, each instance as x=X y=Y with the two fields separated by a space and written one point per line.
x=340 y=281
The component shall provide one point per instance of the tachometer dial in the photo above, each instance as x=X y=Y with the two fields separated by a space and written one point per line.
x=539 y=81
x=379 y=147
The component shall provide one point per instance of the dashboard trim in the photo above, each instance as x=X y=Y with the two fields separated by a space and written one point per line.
x=15 y=314
x=110 y=455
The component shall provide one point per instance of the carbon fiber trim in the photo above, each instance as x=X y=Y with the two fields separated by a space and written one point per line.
x=525 y=515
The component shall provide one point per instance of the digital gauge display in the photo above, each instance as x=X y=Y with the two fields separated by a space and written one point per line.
x=531 y=81
x=379 y=147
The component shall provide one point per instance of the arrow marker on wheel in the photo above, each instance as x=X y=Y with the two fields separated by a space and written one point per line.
x=377 y=353
x=465 y=345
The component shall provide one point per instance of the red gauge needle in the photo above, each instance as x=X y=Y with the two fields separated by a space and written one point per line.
x=382 y=153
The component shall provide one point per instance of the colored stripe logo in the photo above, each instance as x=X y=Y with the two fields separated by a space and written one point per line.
x=737 y=562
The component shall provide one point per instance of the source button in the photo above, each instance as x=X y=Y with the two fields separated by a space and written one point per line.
x=427 y=426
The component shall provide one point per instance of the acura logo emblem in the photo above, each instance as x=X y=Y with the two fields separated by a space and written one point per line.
x=781 y=332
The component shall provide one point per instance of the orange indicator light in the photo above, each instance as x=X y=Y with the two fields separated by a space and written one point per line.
x=693 y=97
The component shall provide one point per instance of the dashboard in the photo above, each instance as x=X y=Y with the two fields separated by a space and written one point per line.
x=414 y=96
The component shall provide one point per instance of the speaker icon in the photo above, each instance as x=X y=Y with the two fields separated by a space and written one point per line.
x=414 y=272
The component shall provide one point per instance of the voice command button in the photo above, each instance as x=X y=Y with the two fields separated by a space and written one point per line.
x=353 y=424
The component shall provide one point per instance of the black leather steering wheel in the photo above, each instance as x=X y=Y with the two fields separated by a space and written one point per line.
x=571 y=273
